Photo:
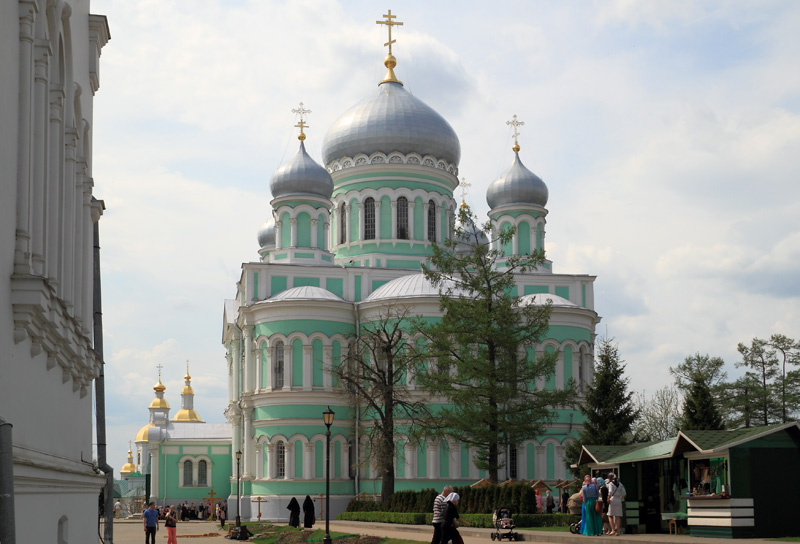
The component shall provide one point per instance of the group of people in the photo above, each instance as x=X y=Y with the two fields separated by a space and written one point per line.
x=309 y=512
x=445 y=517
x=152 y=515
x=601 y=513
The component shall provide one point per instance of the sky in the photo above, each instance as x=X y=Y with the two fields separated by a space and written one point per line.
x=667 y=132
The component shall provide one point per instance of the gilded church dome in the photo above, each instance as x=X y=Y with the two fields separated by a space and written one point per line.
x=517 y=186
x=144 y=433
x=266 y=234
x=389 y=120
x=301 y=176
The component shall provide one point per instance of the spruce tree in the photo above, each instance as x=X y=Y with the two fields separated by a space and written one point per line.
x=700 y=410
x=609 y=410
x=482 y=353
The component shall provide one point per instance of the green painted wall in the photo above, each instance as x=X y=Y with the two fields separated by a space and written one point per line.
x=357 y=294
x=319 y=467
x=277 y=284
x=265 y=377
x=316 y=348
x=508 y=247
x=255 y=285
x=355 y=221
x=305 y=326
x=298 y=459
x=306 y=282
x=286 y=230
x=387 y=181
x=386 y=218
x=524 y=236
x=530 y=458
x=321 y=240
x=567 y=364
x=444 y=459
x=303 y=225
x=562 y=291
x=335 y=286
x=422 y=460
x=535 y=289
x=169 y=475
x=297 y=362
x=400 y=463
x=419 y=220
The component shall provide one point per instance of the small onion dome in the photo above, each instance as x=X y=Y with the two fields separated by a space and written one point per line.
x=144 y=433
x=517 y=186
x=187 y=390
x=470 y=238
x=159 y=403
x=390 y=120
x=129 y=467
x=301 y=176
x=159 y=386
x=266 y=235
x=185 y=414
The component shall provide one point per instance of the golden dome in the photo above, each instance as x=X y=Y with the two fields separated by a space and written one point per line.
x=129 y=467
x=187 y=415
x=159 y=403
x=143 y=434
x=187 y=390
x=159 y=386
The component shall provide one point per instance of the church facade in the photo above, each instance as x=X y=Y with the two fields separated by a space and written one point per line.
x=344 y=245
x=49 y=73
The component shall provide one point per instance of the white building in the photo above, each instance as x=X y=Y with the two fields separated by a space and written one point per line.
x=49 y=72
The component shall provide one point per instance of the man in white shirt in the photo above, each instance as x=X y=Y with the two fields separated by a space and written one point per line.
x=438 y=514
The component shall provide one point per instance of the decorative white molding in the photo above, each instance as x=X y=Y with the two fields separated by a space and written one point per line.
x=392 y=158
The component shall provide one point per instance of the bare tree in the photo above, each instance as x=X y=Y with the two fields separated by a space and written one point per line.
x=659 y=415
x=375 y=376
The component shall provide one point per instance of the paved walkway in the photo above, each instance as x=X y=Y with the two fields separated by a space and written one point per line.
x=207 y=532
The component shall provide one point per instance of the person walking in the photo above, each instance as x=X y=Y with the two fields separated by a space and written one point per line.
x=309 y=514
x=549 y=502
x=450 y=523
x=150 y=522
x=117 y=508
x=171 y=523
x=438 y=513
x=222 y=515
x=294 y=513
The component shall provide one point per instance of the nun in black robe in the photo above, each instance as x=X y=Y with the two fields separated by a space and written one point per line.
x=309 y=516
x=294 y=513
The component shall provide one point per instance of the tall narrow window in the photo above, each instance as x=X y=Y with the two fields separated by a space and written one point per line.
x=369 y=219
x=279 y=366
x=280 y=460
x=431 y=221
x=202 y=474
x=343 y=223
x=187 y=473
x=402 y=218
x=512 y=461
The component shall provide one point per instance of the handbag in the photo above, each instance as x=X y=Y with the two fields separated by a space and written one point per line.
x=598 y=507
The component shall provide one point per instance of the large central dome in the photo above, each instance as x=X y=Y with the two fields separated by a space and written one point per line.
x=391 y=120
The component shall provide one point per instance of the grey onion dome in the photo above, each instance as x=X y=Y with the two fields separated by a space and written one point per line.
x=391 y=120
x=470 y=239
x=517 y=186
x=301 y=176
x=266 y=234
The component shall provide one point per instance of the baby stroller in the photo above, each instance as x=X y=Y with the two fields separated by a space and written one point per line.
x=504 y=525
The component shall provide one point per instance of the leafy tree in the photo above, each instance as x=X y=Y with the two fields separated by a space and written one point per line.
x=762 y=363
x=374 y=375
x=700 y=410
x=482 y=351
x=659 y=415
x=709 y=369
x=609 y=409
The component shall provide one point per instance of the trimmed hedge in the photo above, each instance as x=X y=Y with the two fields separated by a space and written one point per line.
x=476 y=520
x=519 y=497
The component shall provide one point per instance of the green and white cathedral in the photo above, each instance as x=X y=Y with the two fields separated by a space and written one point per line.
x=345 y=243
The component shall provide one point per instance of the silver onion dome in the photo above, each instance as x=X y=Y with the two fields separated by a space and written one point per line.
x=517 y=186
x=391 y=120
x=266 y=234
x=301 y=176
x=471 y=237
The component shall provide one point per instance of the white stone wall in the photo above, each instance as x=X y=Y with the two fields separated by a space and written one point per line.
x=48 y=75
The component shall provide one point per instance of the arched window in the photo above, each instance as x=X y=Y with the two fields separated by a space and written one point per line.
x=343 y=223
x=202 y=474
x=279 y=366
x=402 y=218
x=431 y=221
x=369 y=219
x=187 y=473
x=280 y=460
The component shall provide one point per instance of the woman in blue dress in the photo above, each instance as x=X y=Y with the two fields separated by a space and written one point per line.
x=593 y=525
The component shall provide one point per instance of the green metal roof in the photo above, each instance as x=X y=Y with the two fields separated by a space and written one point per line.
x=710 y=441
x=605 y=454
x=647 y=451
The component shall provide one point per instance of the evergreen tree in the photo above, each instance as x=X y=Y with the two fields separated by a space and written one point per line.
x=787 y=351
x=762 y=363
x=482 y=356
x=700 y=410
x=741 y=405
x=609 y=409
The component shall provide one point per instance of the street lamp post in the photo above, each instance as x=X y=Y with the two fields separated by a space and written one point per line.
x=327 y=417
x=238 y=495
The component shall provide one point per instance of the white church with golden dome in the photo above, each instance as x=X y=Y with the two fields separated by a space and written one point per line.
x=184 y=457
x=344 y=242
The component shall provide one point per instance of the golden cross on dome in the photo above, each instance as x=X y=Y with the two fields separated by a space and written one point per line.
x=159 y=366
x=389 y=24
x=516 y=124
x=464 y=187
x=302 y=112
